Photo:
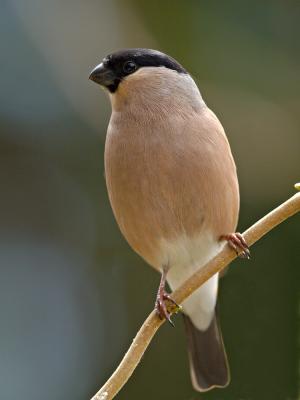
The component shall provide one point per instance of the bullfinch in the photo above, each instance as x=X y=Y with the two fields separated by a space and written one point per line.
x=173 y=188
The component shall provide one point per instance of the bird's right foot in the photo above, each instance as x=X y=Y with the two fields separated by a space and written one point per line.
x=164 y=304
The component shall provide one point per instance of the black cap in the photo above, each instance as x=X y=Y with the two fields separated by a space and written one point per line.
x=120 y=64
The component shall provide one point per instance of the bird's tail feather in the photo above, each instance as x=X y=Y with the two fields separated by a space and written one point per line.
x=207 y=356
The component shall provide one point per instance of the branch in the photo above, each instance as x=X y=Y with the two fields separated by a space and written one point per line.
x=152 y=323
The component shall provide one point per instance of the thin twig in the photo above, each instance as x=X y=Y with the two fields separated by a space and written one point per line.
x=152 y=323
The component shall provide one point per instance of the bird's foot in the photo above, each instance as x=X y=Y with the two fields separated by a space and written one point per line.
x=238 y=244
x=165 y=306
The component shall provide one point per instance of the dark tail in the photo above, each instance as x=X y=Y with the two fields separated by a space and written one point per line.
x=208 y=361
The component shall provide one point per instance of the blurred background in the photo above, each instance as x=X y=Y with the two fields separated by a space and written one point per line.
x=72 y=292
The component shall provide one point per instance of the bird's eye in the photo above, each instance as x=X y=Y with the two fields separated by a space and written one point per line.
x=129 y=67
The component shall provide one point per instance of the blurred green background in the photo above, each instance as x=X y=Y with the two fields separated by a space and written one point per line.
x=72 y=292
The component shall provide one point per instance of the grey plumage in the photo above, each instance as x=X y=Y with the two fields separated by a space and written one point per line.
x=207 y=356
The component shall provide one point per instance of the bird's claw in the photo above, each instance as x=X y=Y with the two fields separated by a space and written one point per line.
x=238 y=244
x=165 y=306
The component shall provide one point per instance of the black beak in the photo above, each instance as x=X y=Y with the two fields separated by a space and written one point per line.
x=103 y=76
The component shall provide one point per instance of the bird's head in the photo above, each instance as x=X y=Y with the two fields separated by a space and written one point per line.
x=146 y=78
x=121 y=65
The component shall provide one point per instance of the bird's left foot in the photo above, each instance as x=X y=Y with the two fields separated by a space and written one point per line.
x=164 y=304
x=238 y=244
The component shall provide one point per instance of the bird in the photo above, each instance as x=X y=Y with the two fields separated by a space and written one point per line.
x=173 y=188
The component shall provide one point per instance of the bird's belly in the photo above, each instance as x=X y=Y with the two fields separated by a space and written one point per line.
x=186 y=253
x=152 y=215
x=165 y=184
x=165 y=222
x=186 y=256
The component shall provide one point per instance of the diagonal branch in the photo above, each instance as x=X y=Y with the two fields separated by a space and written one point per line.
x=152 y=323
